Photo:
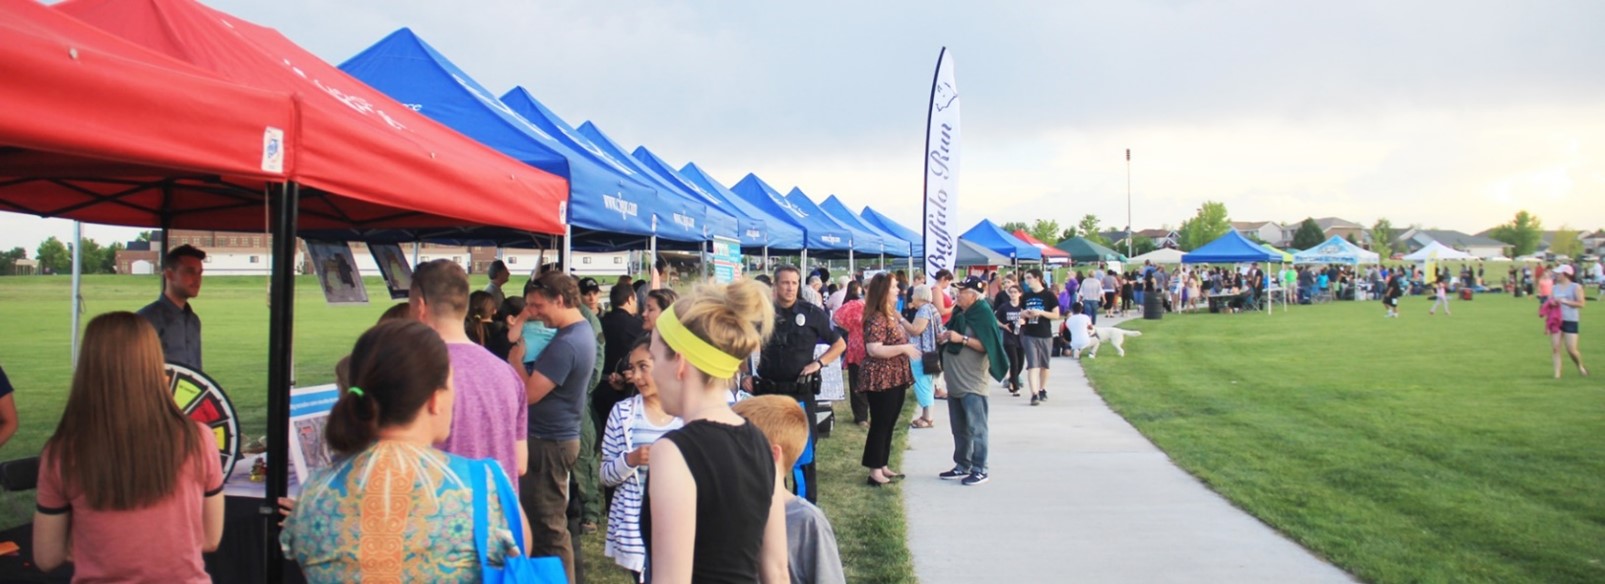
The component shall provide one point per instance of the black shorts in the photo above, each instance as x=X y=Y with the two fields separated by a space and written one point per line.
x=1568 y=327
x=1391 y=301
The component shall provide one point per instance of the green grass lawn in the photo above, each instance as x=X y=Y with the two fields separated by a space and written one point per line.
x=35 y=353
x=1422 y=449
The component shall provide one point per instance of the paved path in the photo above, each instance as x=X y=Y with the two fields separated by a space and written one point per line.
x=1078 y=495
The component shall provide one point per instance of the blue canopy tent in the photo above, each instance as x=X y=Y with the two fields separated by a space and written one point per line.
x=783 y=235
x=990 y=236
x=717 y=221
x=677 y=221
x=1233 y=248
x=914 y=239
x=818 y=236
x=859 y=241
x=606 y=208
x=893 y=245
x=750 y=230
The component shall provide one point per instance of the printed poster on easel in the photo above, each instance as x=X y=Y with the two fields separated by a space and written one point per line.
x=337 y=272
x=394 y=267
x=309 y=413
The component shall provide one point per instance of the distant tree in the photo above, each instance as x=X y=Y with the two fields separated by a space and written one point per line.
x=1015 y=225
x=8 y=260
x=1567 y=242
x=1352 y=239
x=1090 y=230
x=1068 y=233
x=1044 y=230
x=1141 y=245
x=106 y=263
x=1523 y=233
x=1382 y=237
x=1207 y=225
x=1308 y=235
x=92 y=254
x=144 y=236
x=54 y=257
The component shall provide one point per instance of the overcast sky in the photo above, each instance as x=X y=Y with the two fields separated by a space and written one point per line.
x=1444 y=114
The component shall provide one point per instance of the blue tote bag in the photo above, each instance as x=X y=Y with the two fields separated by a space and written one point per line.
x=514 y=570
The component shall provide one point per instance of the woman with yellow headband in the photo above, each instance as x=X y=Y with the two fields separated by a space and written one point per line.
x=713 y=510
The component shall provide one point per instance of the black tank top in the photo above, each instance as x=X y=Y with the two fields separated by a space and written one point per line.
x=735 y=478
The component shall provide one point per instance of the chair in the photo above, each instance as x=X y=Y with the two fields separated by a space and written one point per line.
x=19 y=475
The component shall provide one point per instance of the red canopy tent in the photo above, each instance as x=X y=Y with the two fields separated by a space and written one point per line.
x=369 y=161
x=1050 y=254
x=90 y=118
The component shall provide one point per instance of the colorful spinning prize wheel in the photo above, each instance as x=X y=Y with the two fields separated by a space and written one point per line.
x=203 y=400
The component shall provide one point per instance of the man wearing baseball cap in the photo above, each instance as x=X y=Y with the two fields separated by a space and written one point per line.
x=972 y=351
x=585 y=508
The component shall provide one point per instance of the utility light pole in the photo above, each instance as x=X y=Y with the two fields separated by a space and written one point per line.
x=1128 y=203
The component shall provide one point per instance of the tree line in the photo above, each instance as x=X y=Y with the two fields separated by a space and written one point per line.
x=1524 y=233
x=55 y=257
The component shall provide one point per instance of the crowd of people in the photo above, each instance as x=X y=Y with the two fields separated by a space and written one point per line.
x=476 y=428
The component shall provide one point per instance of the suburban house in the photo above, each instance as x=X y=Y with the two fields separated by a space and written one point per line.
x=1266 y=231
x=1594 y=243
x=1164 y=238
x=1344 y=228
x=1414 y=239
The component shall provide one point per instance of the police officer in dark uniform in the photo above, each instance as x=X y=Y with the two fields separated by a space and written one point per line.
x=787 y=366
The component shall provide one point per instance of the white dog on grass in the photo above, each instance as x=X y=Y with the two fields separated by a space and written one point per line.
x=1115 y=337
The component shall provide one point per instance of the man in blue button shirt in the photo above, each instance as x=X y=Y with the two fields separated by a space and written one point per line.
x=171 y=314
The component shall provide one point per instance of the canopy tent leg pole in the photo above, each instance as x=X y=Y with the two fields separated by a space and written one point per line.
x=283 y=199
x=849 y=261
x=568 y=249
x=77 y=286
x=653 y=282
x=707 y=258
x=765 y=268
x=802 y=264
x=415 y=247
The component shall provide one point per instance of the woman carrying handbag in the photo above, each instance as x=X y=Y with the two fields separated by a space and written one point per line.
x=923 y=330
x=394 y=508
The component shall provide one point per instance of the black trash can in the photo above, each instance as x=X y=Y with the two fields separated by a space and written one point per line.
x=1153 y=306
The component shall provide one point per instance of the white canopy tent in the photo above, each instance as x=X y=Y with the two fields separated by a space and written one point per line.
x=1162 y=255
x=1439 y=252
x=1336 y=250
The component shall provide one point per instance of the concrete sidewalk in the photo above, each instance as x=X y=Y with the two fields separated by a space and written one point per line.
x=1078 y=495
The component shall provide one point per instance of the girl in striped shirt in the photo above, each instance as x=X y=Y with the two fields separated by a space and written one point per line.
x=633 y=425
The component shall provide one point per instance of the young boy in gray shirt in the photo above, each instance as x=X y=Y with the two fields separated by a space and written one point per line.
x=810 y=541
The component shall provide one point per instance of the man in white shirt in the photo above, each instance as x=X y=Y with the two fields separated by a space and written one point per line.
x=839 y=296
x=1081 y=333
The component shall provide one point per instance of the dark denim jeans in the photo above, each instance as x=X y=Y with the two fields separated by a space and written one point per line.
x=1090 y=308
x=967 y=415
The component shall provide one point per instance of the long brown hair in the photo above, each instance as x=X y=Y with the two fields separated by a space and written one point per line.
x=880 y=287
x=121 y=441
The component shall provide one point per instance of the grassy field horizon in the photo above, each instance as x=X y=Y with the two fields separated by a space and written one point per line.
x=1418 y=449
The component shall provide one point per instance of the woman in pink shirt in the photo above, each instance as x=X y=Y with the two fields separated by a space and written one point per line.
x=850 y=317
x=130 y=489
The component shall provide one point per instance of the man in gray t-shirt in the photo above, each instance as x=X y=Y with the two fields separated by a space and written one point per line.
x=556 y=389
x=965 y=367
